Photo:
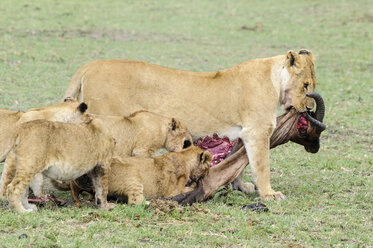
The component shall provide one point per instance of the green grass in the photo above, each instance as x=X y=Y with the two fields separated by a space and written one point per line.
x=329 y=194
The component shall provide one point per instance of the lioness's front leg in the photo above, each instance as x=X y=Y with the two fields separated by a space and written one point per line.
x=257 y=147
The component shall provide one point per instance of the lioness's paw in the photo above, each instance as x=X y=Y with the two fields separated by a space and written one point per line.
x=247 y=188
x=278 y=196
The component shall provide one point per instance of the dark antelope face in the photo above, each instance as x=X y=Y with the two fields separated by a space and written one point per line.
x=302 y=128
x=310 y=126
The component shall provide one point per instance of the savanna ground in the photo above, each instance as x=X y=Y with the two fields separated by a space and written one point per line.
x=329 y=194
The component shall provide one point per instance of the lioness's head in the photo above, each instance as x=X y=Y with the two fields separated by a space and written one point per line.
x=301 y=80
x=178 y=137
x=200 y=162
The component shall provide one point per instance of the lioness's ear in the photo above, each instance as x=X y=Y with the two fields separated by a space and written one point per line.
x=82 y=107
x=308 y=53
x=293 y=60
x=174 y=124
x=304 y=51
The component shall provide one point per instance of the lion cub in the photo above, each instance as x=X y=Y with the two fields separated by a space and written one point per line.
x=60 y=151
x=142 y=133
x=68 y=111
x=162 y=176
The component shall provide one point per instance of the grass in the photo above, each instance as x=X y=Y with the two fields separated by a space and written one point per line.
x=329 y=194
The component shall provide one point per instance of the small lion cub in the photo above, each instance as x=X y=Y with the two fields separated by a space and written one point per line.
x=59 y=151
x=70 y=111
x=158 y=177
x=142 y=133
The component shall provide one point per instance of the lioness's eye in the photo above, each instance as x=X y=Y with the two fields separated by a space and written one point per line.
x=306 y=86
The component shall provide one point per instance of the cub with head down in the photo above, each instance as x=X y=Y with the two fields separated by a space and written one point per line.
x=60 y=151
x=68 y=111
x=160 y=177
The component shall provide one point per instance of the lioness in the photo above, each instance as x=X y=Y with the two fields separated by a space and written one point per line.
x=237 y=102
x=162 y=176
x=60 y=151
x=68 y=111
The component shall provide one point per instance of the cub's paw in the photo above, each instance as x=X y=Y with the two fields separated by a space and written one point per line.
x=32 y=207
x=278 y=196
x=110 y=206
x=2 y=195
x=28 y=210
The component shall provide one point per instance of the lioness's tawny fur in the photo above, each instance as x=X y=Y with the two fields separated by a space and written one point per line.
x=239 y=102
x=60 y=151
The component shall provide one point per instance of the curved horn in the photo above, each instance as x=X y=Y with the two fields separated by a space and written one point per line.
x=320 y=106
x=321 y=126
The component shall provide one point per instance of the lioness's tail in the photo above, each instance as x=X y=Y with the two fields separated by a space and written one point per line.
x=74 y=91
x=60 y=186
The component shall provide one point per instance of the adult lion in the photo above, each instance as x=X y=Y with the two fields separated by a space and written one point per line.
x=238 y=102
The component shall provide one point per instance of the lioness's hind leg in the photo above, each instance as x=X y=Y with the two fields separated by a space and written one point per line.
x=239 y=184
x=8 y=174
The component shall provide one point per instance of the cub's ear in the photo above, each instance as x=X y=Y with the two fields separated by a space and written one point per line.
x=82 y=107
x=175 y=124
x=293 y=60
x=205 y=157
